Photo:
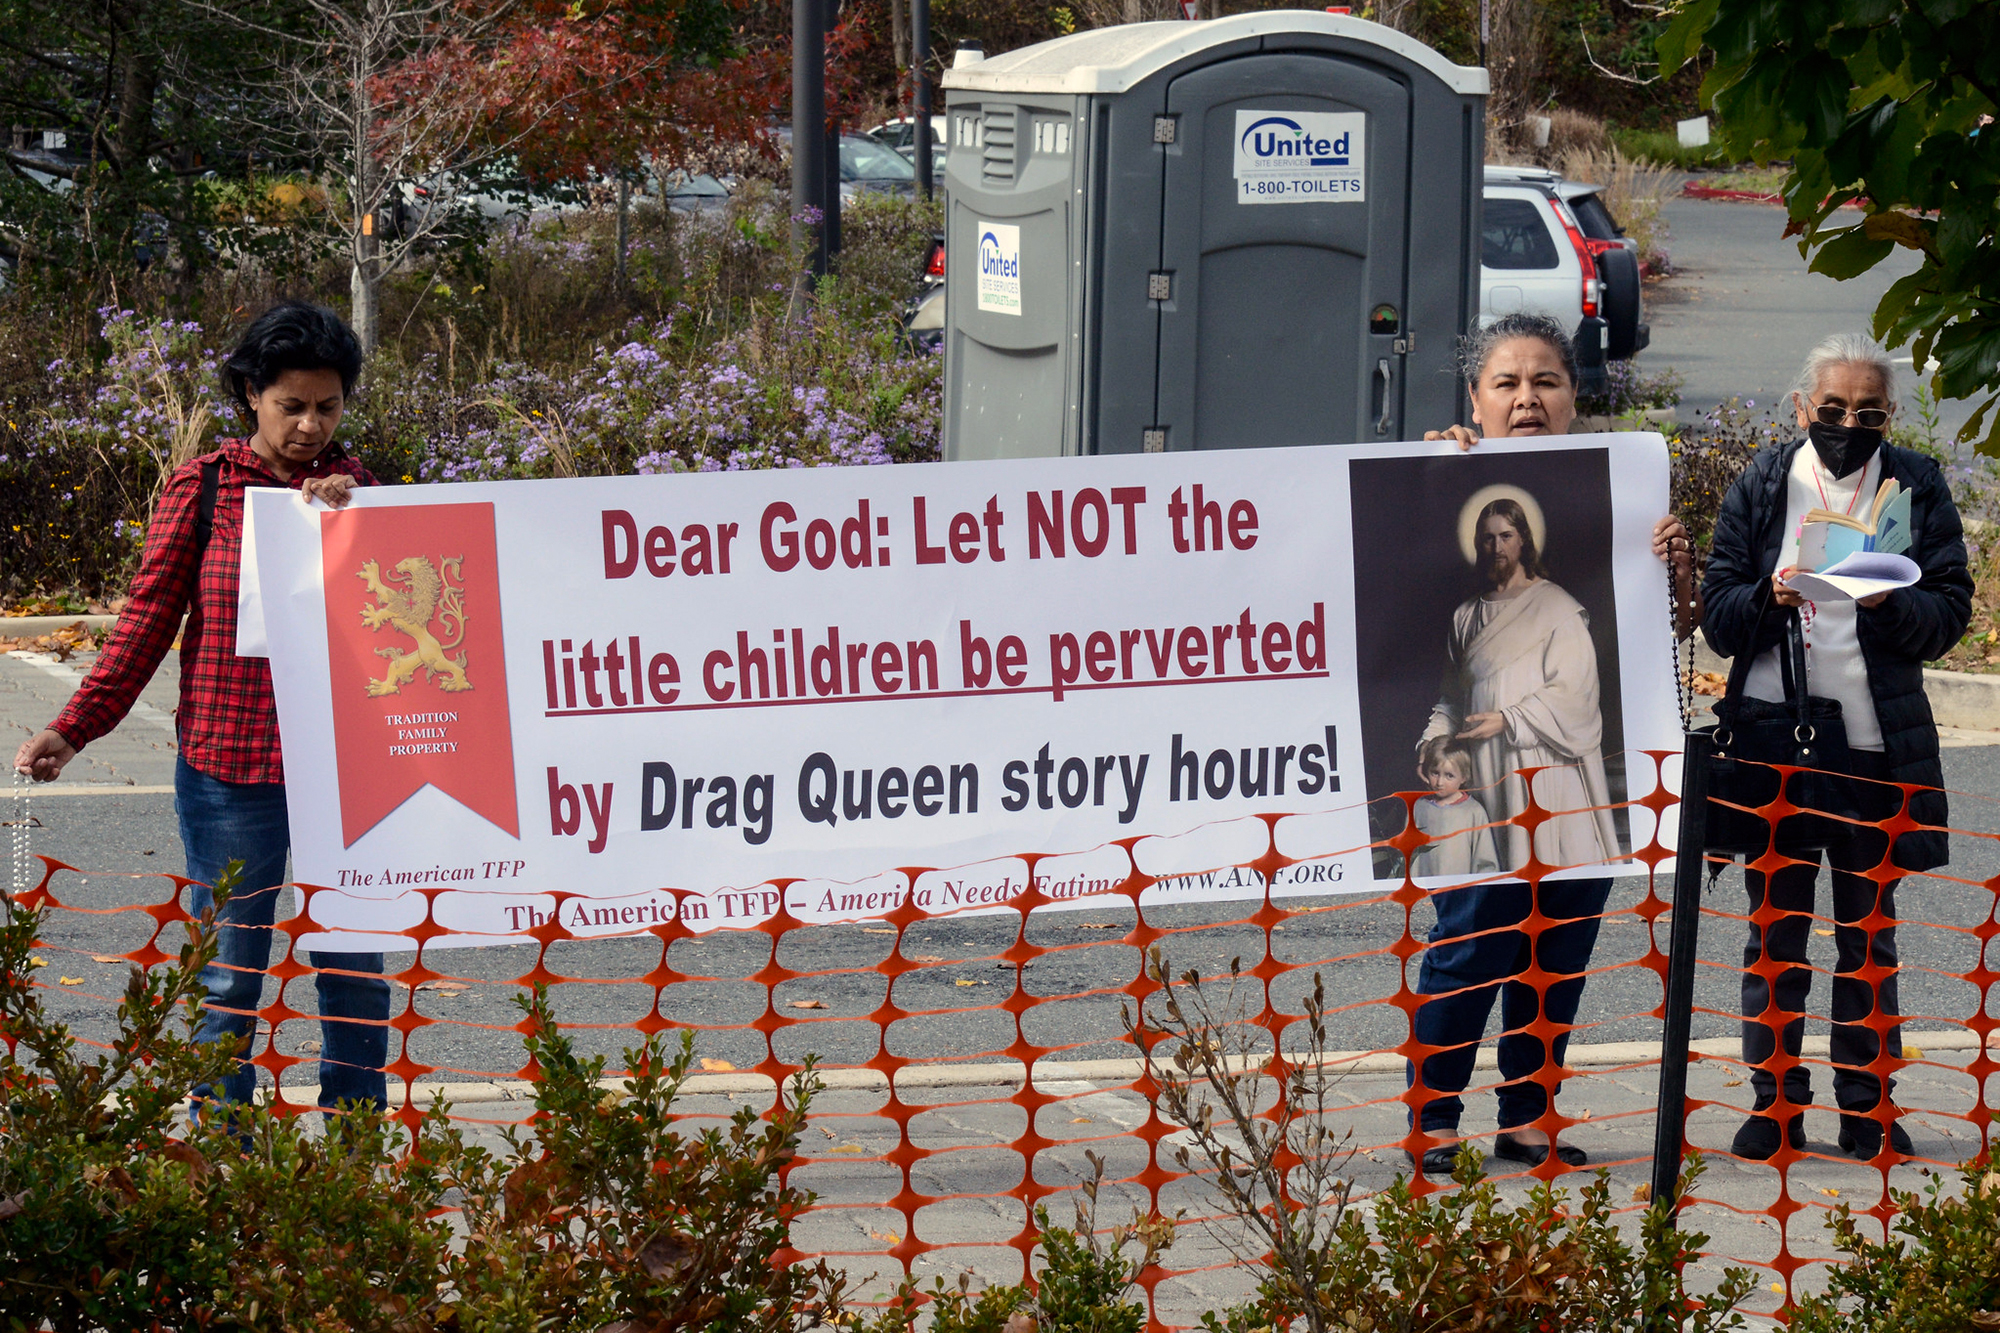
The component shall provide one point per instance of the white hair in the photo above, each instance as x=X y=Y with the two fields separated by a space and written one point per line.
x=1842 y=349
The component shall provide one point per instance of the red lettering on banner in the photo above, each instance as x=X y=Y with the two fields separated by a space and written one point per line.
x=419 y=674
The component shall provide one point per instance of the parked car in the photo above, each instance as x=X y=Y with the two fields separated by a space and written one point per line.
x=923 y=316
x=685 y=193
x=866 y=165
x=1552 y=247
x=901 y=135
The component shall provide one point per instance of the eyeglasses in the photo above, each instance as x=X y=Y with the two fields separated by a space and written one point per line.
x=1868 y=418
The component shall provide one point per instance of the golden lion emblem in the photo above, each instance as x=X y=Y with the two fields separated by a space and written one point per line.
x=425 y=595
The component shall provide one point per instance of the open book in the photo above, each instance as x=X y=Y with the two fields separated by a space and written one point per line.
x=1828 y=538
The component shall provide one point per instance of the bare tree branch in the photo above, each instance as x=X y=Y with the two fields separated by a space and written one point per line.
x=1604 y=69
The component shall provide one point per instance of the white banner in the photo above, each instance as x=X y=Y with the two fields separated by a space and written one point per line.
x=626 y=687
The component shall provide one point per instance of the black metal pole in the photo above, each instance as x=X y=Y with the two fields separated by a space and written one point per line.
x=809 y=122
x=1669 y=1128
x=920 y=62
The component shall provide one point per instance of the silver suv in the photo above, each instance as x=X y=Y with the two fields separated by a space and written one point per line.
x=1551 y=247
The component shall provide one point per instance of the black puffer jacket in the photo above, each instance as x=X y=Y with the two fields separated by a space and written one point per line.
x=1913 y=626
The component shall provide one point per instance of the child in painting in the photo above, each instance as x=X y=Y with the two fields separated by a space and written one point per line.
x=1451 y=815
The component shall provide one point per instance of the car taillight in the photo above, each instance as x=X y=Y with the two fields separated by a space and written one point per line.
x=935 y=268
x=1585 y=257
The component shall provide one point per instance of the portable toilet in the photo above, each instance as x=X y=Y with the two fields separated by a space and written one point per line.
x=1255 y=230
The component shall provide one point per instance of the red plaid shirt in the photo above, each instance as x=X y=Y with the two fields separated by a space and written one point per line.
x=227 y=720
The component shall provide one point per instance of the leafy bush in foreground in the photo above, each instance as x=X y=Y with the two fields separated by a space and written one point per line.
x=1943 y=1276
x=614 y=1210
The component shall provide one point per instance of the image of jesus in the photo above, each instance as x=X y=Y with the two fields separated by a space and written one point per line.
x=1521 y=691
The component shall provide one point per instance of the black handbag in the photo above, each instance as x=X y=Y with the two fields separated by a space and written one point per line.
x=1752 y=735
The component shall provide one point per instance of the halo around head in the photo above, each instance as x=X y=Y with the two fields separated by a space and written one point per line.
x=1468 y=518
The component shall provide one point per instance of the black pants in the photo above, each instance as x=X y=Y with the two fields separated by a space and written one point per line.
x=1792 y=891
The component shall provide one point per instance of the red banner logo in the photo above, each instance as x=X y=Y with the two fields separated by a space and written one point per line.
x=419 y=673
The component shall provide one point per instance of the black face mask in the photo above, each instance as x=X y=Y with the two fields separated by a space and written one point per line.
x=1843 y=449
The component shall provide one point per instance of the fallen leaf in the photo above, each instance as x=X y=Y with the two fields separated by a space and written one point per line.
x=70 y=981
x=106 y=958
x=807 y=1004
x=1823 y=932
x=1732 y=1083
x=927 y=960
x=37 y=962
x=715 y=1066
x=847 y=1148
x=1831 y=1193
x=877 y=930
x=1642 y=1193
x=1103 y=925
x=1079 y=1120
x=1778 y=1287
x=889 y=1237
x=1913 y=1053
x=968 y=981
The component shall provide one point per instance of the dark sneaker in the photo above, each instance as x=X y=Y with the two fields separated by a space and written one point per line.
x=1757 y=1139
x=1861 y=1136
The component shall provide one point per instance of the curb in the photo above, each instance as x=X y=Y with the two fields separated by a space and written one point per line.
x=1958 y=698
x=33 y=627
x=1051 y=1077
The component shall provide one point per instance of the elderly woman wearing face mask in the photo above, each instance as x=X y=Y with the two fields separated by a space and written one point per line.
x=1869 y=655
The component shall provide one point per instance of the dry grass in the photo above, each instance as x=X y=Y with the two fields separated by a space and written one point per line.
x=1633 y=191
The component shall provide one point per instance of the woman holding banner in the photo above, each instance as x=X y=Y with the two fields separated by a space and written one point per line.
x=290 y=376
x=1521 y=374
x=1868 y=655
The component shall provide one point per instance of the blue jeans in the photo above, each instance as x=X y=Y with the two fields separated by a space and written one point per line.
x=230 y=821
x=1466 y=970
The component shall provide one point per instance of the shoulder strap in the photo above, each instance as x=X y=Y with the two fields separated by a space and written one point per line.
x=204 y=514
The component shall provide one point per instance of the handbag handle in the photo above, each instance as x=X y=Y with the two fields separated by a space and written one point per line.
x=1791 y=670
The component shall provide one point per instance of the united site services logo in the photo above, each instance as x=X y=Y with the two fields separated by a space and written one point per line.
x=417 y=666
x=1283 y=137
x=1296 y=157
x=1000 y=268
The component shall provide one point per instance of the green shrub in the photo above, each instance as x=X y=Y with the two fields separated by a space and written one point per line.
x=612 y=1210
x=1443 y=1263
x=1663 y=148
x=1942 y=1276
x=1085 y=1285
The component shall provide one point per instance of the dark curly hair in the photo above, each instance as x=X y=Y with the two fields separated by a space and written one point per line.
x=1477 y=348
x=291 y=335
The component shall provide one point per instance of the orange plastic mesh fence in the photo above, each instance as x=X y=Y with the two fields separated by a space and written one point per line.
x=929 y=1147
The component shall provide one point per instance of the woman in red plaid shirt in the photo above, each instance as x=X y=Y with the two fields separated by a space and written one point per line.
x=291 y=375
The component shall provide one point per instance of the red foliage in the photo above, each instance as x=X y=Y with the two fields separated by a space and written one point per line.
x=568 y=88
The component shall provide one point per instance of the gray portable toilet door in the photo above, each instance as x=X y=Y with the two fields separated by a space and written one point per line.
x=1280 y=246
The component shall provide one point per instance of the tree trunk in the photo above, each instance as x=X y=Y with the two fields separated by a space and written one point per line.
x=366 y=293
x=1514 y=61
x=899 y=40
